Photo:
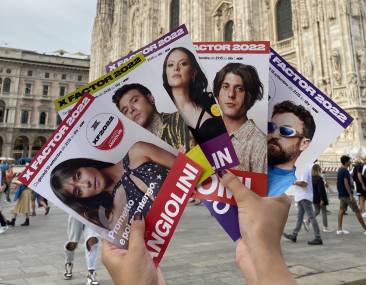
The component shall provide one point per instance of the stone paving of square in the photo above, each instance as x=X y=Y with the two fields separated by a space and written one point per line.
x=200 y=252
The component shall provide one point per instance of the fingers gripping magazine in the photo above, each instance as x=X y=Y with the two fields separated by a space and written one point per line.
x=102 y=168
x=238 y=72
x=181 y=85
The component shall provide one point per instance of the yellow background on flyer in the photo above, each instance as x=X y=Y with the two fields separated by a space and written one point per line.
x=197 y=155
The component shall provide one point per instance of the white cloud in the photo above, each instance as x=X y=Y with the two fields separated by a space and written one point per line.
x=47 y=25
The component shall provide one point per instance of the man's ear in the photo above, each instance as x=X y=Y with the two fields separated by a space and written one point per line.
x=304 y=144
x=151 y=99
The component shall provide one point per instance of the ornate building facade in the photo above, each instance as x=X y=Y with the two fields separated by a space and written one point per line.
x=324 y=39
x=29 y=82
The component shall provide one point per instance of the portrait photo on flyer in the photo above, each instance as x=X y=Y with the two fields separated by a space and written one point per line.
x=300 y=118
x=181 y=82
x=102 y=168
x=238 y=72
x=302 y=123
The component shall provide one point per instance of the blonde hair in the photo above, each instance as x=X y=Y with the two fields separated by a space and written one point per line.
x=316 y=170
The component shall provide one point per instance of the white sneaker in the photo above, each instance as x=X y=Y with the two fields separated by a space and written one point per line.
x=91 y=279
x=363 y=215
x=3 y=229
x=364 y=233
x=342 y=232
x=327 y=230
x=68 y=271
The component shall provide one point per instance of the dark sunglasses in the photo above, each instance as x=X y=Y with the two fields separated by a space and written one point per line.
x=286 y=132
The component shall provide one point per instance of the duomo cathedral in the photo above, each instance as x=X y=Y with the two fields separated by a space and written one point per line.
x=323 y=39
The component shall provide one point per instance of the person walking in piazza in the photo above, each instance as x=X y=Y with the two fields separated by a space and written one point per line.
x=22 y=206
x=9 y=175
x=320 y=198
x=345 y=196
x=304 y=200
x=42 y=202
x=3 y=225
x=360 y=181
x=91 y=246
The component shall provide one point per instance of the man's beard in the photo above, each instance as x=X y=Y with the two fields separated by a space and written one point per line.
x=277 y=155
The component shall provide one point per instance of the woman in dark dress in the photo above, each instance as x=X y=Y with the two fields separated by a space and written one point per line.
x=320 y=199
x=186 y=85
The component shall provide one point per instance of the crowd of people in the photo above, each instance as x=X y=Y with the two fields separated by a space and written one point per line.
x=23 y=197
x=311 y=198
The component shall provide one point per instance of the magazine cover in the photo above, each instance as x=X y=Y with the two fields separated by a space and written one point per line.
x=238 y=72
x=302 y=122
x=103 y=168
x=133 y=94
x=180 y=80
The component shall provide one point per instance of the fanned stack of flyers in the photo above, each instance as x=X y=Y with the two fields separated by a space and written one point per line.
x=151 y=133
x=301 y=123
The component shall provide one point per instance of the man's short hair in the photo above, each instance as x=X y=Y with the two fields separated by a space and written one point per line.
x=128 y=87
x=300 y=112
x=252 y=85
x=345 y=159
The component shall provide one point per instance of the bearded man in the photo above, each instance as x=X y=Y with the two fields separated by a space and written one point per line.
x=290 y=132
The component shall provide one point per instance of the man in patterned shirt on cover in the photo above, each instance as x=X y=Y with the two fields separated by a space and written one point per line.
x=237 y=87
x=137 y=103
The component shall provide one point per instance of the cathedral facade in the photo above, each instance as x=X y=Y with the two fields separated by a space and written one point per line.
x=324 y=39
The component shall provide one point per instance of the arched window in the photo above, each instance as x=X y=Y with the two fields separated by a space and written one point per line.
x=228 y=31
x=37 y=145
x=42 y=118
x=24 y=117
x=21 y=147
x=174 y=13
x=6 y=85
x=284 y=20
x=2 y=111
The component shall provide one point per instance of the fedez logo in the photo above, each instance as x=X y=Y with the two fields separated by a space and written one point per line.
x=105 y=131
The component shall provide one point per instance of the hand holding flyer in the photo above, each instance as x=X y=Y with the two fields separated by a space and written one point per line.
x=239 y=75
x=103 y=168
x=299 y=121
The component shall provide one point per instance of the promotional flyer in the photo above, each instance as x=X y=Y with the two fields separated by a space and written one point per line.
x=180 y=81
x=302 y=122
x=102 y=168
x=238 y=72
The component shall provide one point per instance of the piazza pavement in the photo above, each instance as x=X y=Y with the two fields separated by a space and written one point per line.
x=200 y=253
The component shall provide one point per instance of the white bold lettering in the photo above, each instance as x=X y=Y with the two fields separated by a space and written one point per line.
x=164 y=230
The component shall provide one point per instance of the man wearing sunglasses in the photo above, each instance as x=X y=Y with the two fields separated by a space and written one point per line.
x=290 y=132
x=237 y=87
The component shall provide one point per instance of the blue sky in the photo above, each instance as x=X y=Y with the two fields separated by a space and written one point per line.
x=47 y=25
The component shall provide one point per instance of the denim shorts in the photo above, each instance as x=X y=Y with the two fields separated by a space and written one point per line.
x=346 y=201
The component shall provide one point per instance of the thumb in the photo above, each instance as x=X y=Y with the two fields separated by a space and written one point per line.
x=136 y=240
x=232 y=183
